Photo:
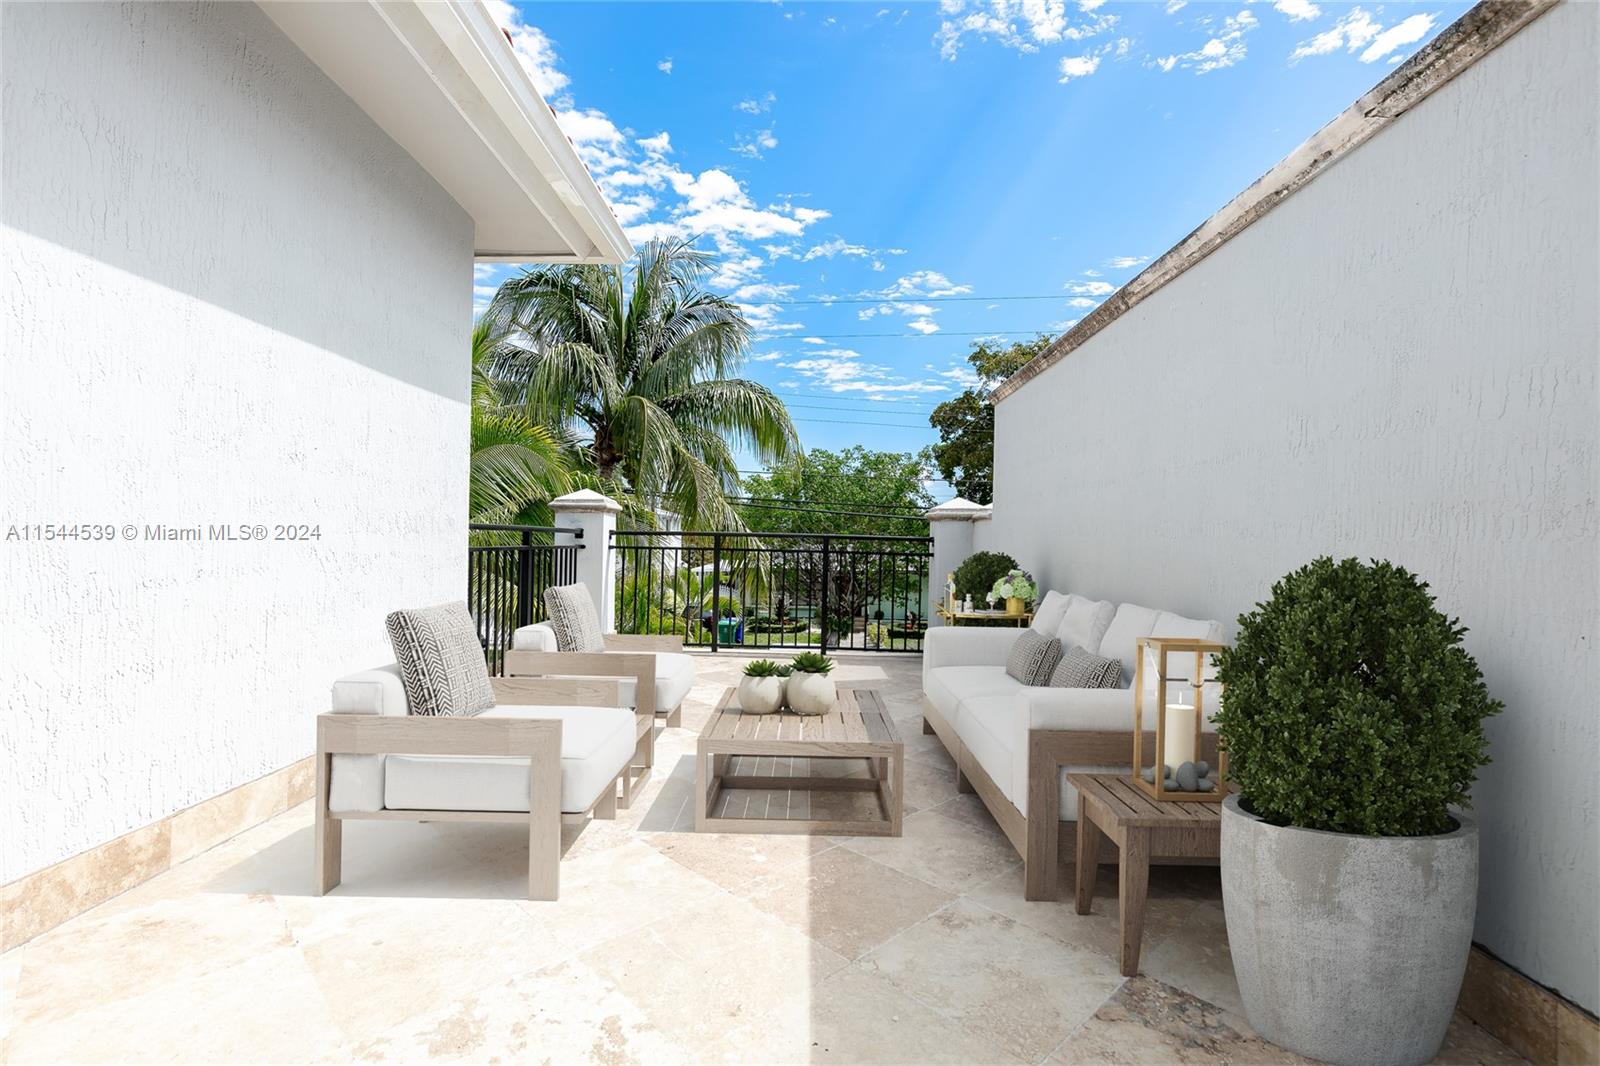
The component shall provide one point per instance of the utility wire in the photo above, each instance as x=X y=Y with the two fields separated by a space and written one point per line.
x=913 y=299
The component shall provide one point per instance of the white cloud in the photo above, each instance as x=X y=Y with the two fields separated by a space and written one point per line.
x=812 y=340
x=963 y=376
x=599 y=142
x=755 y=105
x=1407 y=31
x=1222 y=50
x=482 y=270
x=1175 y=6
x=925 y=283
x=924 y=325
x=1298 y=10
x=842 y=370
x=752 y=145
x=631 y=209
x=1021 y=24
x=665 y=66
x=762 y=291
x=532 y=48
x=1078 y=67
x=766 y=357
x=1354 y=31
x=837 y=246
x=1123 y=262
x=1090 y=288
x=1083 y=301
x=659 y=145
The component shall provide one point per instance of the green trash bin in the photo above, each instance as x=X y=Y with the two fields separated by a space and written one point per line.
x=728 y=630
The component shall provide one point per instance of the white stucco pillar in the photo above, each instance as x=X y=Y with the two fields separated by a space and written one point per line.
x=596 y=516
x=950 y=525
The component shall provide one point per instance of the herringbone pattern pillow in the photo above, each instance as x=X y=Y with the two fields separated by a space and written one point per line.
x=572 y=617
x=1032 y=657
x=441 y=661
x=1080 y=669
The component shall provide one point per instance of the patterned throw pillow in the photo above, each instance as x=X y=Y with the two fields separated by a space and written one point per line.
x=1032 y=657
x=572 y=617
x=1080 y=669
x=441 y=662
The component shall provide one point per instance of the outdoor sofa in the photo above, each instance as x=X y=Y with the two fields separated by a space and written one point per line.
x=1012 y=743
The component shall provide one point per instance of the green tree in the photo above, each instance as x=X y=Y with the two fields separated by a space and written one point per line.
x=637 y=364
x=886 y=487
x=886 y=493
x=965 y=452
x=517 y=467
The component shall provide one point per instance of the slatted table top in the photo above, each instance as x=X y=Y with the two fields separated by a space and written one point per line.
x=859 y=718
x=1128 y=805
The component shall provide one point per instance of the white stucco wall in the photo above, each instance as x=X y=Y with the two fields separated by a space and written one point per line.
x=1399 y=361
x=227 y=297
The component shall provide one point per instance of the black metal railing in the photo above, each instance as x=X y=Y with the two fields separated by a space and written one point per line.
x=508 y=569
x=774 y=590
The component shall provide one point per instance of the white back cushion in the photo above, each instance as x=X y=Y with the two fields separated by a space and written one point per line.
x=1047 y=616
x=1084 y=623
x=1122 y=637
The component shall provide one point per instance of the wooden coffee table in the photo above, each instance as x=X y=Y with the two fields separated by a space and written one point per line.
x=1110 y=805
x=772 y=753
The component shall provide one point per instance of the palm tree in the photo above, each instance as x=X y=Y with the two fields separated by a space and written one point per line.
x=517 y=467
x=637 y=364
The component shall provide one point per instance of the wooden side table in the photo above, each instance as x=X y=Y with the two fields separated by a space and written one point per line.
x=858 y=727
x=1109 y=805
x=955 y=618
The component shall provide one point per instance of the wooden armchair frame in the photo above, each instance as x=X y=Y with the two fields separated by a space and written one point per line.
x=521 y=664
x=538 y=740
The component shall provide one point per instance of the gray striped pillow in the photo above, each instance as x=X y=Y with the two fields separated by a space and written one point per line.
x=1033 y=657
x=1080 y=669
x=441 y=662
x=573 y=618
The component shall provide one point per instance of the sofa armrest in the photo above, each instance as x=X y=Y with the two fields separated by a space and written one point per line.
x=370 y=692
x=640 y=666
x=643 y=642
x=966 y=646
x=556 y=691
x=541 y=636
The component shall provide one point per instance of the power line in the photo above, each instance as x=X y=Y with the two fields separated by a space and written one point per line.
x=912 y=299
x=925 y=336
x=862 y=422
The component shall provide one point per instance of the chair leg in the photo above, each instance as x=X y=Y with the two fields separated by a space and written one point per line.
x=605 y=808
x=544 y=821
x=329 y=831
x=675 y=717
x=1041 y=879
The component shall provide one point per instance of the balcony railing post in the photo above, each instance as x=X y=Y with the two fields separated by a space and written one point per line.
x=827 y=579
x=716 y=590
x=525 y=610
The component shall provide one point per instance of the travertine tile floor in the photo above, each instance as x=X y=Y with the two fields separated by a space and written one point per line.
x=665 y=947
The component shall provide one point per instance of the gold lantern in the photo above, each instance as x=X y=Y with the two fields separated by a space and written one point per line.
x=1179 y=740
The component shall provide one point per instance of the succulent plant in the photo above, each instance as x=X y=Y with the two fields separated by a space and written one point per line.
x=762 y=668
x=811 y=662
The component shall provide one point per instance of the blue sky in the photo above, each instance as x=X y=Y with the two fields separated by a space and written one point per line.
x=902 y=159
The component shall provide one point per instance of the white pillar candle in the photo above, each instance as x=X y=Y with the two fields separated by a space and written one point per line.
x=1180 y=735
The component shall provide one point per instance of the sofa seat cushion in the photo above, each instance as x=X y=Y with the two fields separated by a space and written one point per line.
x=674 y=678
x=597 y=743
x=983 y=726
x=947 y=686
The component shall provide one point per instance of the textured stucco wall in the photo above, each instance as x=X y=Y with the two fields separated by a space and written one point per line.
x=1399 y=361
x=228 y=297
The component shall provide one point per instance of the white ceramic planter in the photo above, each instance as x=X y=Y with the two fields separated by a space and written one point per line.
x=1348 y=949
x=811 y=693
x=760 y=695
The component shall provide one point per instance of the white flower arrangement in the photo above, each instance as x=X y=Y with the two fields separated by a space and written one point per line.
x=1018 y=583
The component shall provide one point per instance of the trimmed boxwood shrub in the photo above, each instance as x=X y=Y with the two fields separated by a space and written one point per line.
x=1351 y=705
x=978 y=573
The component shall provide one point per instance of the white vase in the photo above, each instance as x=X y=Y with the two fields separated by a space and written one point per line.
x=760 y=695
x=811 y=693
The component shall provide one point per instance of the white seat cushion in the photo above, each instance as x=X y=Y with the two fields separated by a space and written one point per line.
x=947 y=686
x=674 y=678
x=983 y=724
x=1084 y=623
x=597 y=743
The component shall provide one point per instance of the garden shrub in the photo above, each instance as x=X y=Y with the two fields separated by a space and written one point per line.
x=978 y=573
x=1351 y=705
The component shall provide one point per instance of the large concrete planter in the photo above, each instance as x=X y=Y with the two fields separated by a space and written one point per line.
x=1348 y=949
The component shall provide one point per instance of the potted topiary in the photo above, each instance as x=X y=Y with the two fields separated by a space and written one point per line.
x=810 y=689
x=1017 y=589
x=761 y=688
x=977 y=574
x=784 y=671
x=1353 y=719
